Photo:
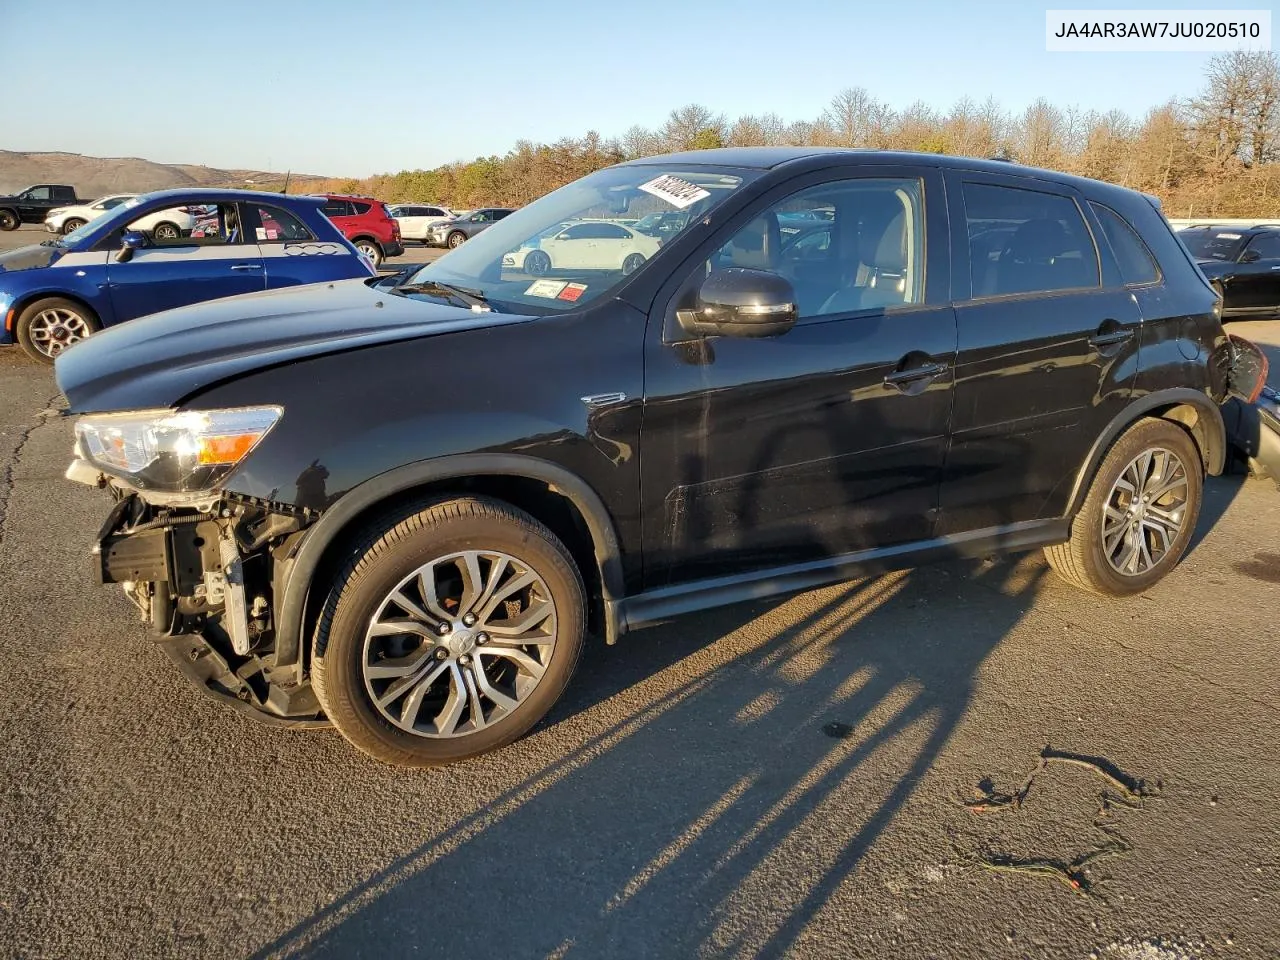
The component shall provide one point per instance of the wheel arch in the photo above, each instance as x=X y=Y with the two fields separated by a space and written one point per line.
x=25 y=300
x=548 y=492
x=1192 y=410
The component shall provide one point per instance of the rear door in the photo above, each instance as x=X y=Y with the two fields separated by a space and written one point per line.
x=187 y=269
x=1047 y=348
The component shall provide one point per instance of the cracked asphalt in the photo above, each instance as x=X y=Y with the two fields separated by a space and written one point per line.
x=780 y=778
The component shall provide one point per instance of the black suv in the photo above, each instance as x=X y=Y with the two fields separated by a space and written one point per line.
x=1244 y=262
x=401 y=510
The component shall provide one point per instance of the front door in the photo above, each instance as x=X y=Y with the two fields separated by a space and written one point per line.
x=826 y=440
x=173 y=273
x=1047 y=350
x=1255 y=284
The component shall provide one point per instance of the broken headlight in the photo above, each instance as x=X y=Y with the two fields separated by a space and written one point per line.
x=178 y=451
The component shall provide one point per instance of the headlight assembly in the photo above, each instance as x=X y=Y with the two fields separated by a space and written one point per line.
x=178 y=451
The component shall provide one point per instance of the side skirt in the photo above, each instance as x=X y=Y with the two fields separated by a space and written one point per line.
x=655 y=606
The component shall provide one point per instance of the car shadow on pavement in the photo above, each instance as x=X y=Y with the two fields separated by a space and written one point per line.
x=783 y=755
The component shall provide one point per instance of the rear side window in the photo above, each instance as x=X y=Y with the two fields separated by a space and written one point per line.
x=276 y=225
x=1136 y=263
x=1025 y=241
x=361 y=208
x=337 y=208
x=499 y=214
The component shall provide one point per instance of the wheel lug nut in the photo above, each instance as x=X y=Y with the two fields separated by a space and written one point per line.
x=482 y=638
x=469 y=619
x=464 y=660
x=444 y=629
x=441 y=653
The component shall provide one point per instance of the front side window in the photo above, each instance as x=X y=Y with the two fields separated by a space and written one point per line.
x=37 y=193
x=1266 y=246
x=1135 y=261
x=864 y=249
x=520 y=265
x=210 y=225
x=1026 y=241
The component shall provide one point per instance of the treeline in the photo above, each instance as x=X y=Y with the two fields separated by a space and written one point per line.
x=1215 y=155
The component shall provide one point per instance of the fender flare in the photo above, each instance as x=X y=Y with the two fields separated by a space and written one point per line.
x=1214 y=451
x=337 y=518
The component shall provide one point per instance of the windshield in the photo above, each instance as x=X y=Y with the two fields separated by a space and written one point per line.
x=119 y=210
x=1208 y=245
x=578 y=243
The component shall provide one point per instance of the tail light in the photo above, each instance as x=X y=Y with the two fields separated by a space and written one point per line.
x=1249 y=367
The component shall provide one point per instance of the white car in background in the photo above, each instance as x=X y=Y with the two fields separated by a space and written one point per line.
x=162 y=225
x=584 y=245
x=415 y=219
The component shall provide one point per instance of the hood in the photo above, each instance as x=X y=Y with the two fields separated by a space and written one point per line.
x=28 y=258
x=160 y=360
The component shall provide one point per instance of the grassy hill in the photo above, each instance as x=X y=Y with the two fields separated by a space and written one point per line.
x=98 y=176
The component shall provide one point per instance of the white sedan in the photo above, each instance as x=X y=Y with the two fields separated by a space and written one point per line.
x=163 y=225
x=585 y=245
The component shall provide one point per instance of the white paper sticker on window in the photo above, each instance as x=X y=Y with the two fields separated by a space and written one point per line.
x=545 y=288
x=679 y=193
x=261 y=232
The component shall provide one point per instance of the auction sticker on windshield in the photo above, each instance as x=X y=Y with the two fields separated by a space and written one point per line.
x=572 y=291
x=679 y=193
x=545 y=288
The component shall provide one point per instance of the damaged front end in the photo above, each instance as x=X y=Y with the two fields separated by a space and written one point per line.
x=201 y=566
x=1252 y=414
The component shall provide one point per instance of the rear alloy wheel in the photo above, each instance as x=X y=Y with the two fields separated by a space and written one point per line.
x=47 y=327
x=166 y=231
x=537 y=263
x=372 y=251
x=632 y=263
x=456 y=239
x=451 y=634
x=8 y=220
x=71 y=223
x=1139 y=515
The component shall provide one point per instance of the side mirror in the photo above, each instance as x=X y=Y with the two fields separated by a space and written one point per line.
x=738 y=302
x=1250 y=256
x=132 y=241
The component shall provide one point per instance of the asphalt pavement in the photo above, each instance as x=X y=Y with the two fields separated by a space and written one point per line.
x=779 y=778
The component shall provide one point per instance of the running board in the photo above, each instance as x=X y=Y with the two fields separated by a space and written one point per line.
x=656 y=606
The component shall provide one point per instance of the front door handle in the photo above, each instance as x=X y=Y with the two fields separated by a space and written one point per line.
x=925 y=372
x=247 y=266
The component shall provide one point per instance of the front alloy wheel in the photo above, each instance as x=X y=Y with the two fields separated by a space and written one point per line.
x=452 y=633
x=47 y=327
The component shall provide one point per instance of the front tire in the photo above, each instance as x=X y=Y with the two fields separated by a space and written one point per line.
x=71 y=223
x=537 y=263
x=372 y=251
x=450 y=634
x=1139 y=514
x=47 y=327
x=456 y=239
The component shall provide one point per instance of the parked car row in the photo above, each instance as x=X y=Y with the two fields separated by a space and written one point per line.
x=824 y=364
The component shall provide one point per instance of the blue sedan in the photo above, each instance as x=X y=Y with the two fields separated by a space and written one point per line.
x=109 y=271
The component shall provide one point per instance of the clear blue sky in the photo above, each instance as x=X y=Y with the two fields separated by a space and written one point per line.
x=348 y=89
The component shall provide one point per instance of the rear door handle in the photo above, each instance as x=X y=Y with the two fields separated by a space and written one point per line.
x=1108 y=339
x=927 y=371
x=247 y=266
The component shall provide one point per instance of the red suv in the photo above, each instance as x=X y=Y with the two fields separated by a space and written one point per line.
x=367 y=223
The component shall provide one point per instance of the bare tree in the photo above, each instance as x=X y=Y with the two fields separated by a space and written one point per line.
x=690 y=125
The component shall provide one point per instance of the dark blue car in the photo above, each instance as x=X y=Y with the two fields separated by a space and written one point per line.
x=106 y=272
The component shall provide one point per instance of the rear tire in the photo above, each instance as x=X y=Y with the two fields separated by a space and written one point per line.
x=166 y=231
x=1120 y=543
x=367 y=679
x=47 y=327
x=8 y=220
x=537 y=263
x=370 y=250
x=632 y=263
